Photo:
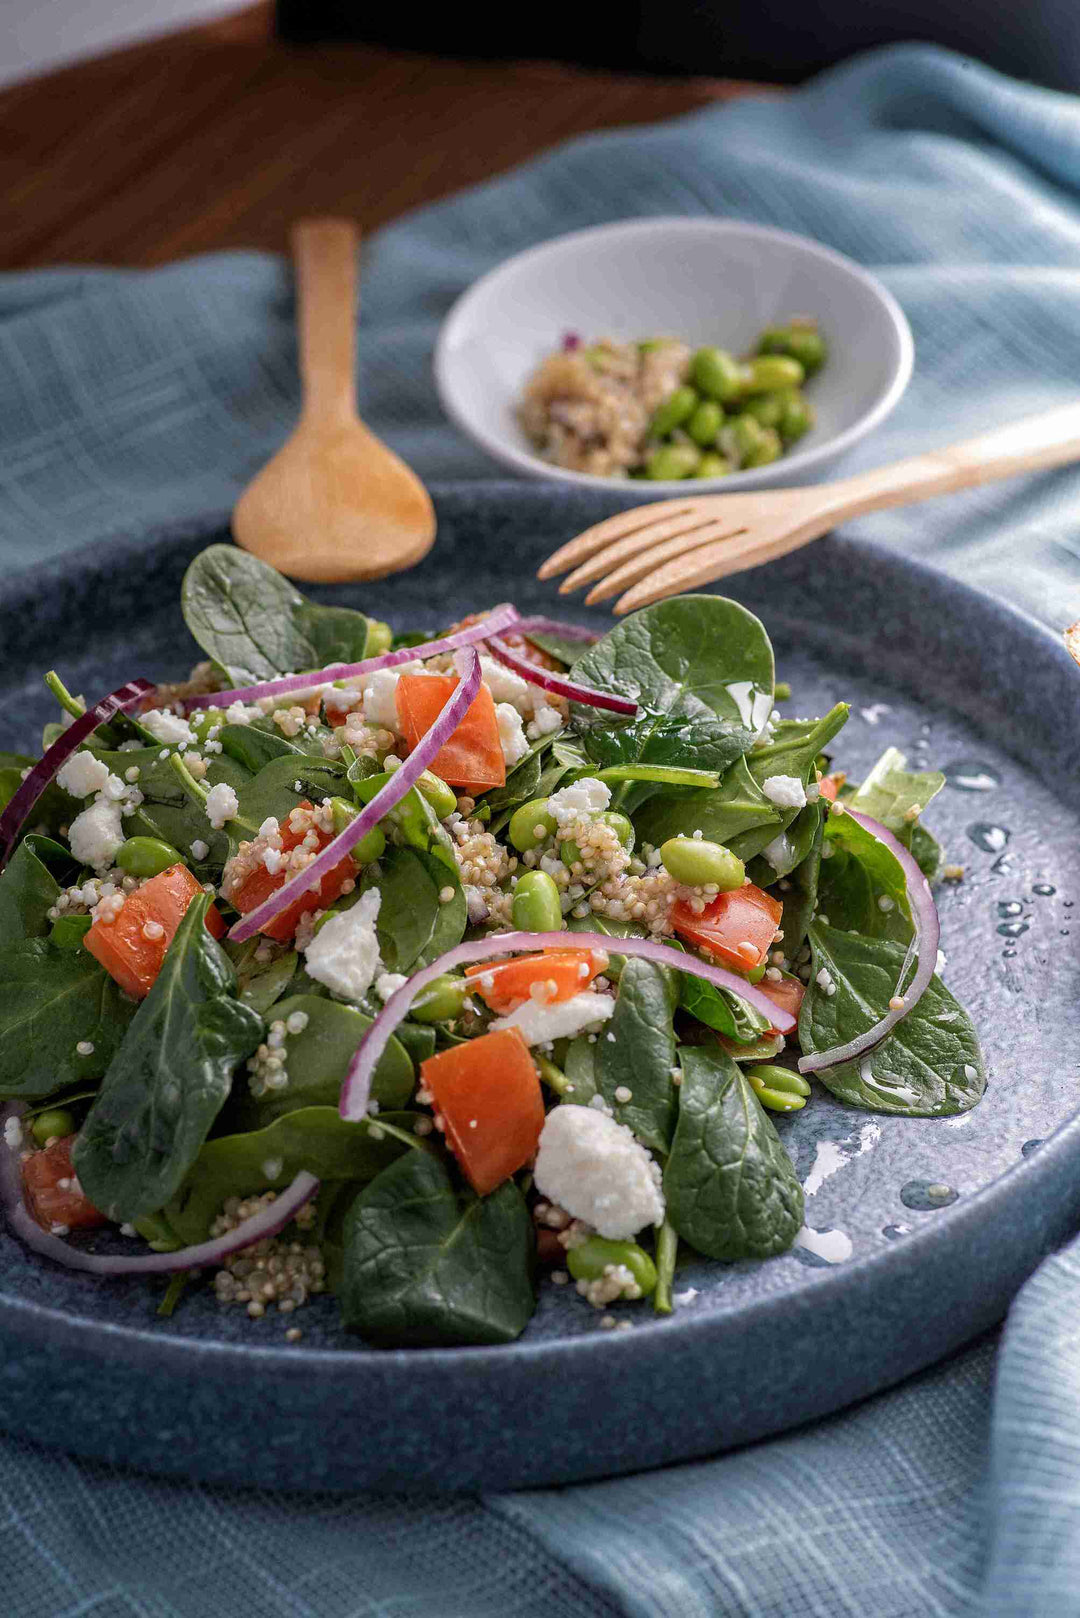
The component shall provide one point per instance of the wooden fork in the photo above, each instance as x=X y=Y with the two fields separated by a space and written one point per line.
x=662 y=549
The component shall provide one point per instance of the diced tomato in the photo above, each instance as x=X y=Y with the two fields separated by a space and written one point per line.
x=473 y=757
x=487 y=1093
x=787 y=994
x=738 y=927
x=502 y=985
x=52 y=1191
x=830 y=786
x=260 y=884
x=159 y=906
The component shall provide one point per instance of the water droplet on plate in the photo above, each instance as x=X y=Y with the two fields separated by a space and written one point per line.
x=1030 y=1146
x=1009 y=907
x=991 y=839
x=1043 y=889
x=818 y=1247
x=927 y=1194
x=894 y=1232
x=1013 y=929
x=969 y=775
x=1008 y=954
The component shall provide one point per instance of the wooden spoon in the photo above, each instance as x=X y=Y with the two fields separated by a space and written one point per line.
x=334 y=503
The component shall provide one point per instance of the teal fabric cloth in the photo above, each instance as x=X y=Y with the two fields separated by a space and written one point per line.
x=129 y=400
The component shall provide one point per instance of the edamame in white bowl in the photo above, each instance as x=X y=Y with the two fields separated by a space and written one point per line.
x=707 y=282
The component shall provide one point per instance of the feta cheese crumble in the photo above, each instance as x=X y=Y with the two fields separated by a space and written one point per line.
x=221 y=805
x=388 y=983
x=506 y=686
x=82 y=774
x=539 y=1022
x=545 y=721
x=786 y=791
x=96 y=834
x=512 y=737
x=344 y=953
x=167 y=727
x=586 y=797
x=596 y=1170
x=380 y=705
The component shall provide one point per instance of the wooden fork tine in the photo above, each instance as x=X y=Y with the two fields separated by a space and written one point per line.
x=708 y=564
x=595 y=538
x=641 y=539
x=639 y=566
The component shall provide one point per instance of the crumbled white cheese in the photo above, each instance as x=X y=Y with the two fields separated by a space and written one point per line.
x=96 y=834
x=538 y=1022
x=586 y=797
x=380 y=707
x=167 y=727
x=506 y=686
x=786 y=791
x=388 y=983
x=272 y=859
x=238 y=713
x=83 y=774
x=545 y=720
x=778 y=851
x=199 y=849
x=221 y=805
x=595 y=1169
x=344 y=953
x=511 y=734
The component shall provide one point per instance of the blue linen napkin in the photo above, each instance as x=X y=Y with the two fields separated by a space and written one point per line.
x=131 y=399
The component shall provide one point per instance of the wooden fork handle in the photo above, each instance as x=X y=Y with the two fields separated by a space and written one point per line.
x=324 y=252
x=1030 y=445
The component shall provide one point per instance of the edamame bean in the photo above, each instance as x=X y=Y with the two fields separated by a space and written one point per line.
x=768 y=448
x=589 y=1260
x=147 y=856
x=766 y=408
x=536 y=907
x=442 y=1000
x=705 y=423
x=380 y=638
x=778 y=1088
x=443 y=799
x=57 y=1123
x=796 y=418
x=676 y=408
x=673 y=461
x=531 y=824
x=717 y=374
x=696 y=861
x=769 y=371
x=712 y=465
x=740 y=437
x=368 y=848
x=800 y=340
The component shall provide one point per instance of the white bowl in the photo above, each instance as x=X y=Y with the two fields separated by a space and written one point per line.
x=704 y=280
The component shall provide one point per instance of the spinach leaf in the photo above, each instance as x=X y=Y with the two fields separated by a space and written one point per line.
x=256 y=744
x=930 y=1066
x=53 y=1001
x=316 y=1061
x=795 y=746
x=567 y=651
x=260 y=982
x=730 y=1186
x=734 y=1018
x=700 y=669
x=317 y=1139
x=283 y=783
x=891 y=792
x=579 y=1066
x=787 y=849
x=254 y=624
x=29 y=889
x=928 y=852
x=737 y=805
x=53 y=808
x=862 y=887
x=637 y=1049
x=801 y=898
x=170 y=1078
x=427 y=1262
x=413 y=925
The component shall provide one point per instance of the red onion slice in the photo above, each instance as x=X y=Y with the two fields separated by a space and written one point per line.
x=450 y=717
x=499 y=618
x=538 y=625
x=15 y=815
x=924 y=946
x=558 y=685
x=274 y=1216
x=356 y=1090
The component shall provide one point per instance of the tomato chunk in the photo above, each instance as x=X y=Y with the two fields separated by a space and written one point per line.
x=473 y=757
x=503 y=985
x=259 y=884
x=738 y=927
x=123 y=946
x=53 y=1193
x=787 y=994
x=487 y=1092
x=830 y=786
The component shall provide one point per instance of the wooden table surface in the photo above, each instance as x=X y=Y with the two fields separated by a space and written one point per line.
x=220 y=135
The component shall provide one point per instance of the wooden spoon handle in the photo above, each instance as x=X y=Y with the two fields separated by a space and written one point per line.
x=324 y=251
x=1030 y=445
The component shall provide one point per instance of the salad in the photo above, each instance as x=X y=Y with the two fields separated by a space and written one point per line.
x=415 y=967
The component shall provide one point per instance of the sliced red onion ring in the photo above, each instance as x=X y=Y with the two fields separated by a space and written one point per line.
x=537 y=625
x=15 y=815
x=356 y=1090
x=453 y=712
x=274 y=1216
x=923 y=947
x=558 y=684
x=499 y=618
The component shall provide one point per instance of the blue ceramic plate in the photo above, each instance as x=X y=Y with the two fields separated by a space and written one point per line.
x=886 y=1278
